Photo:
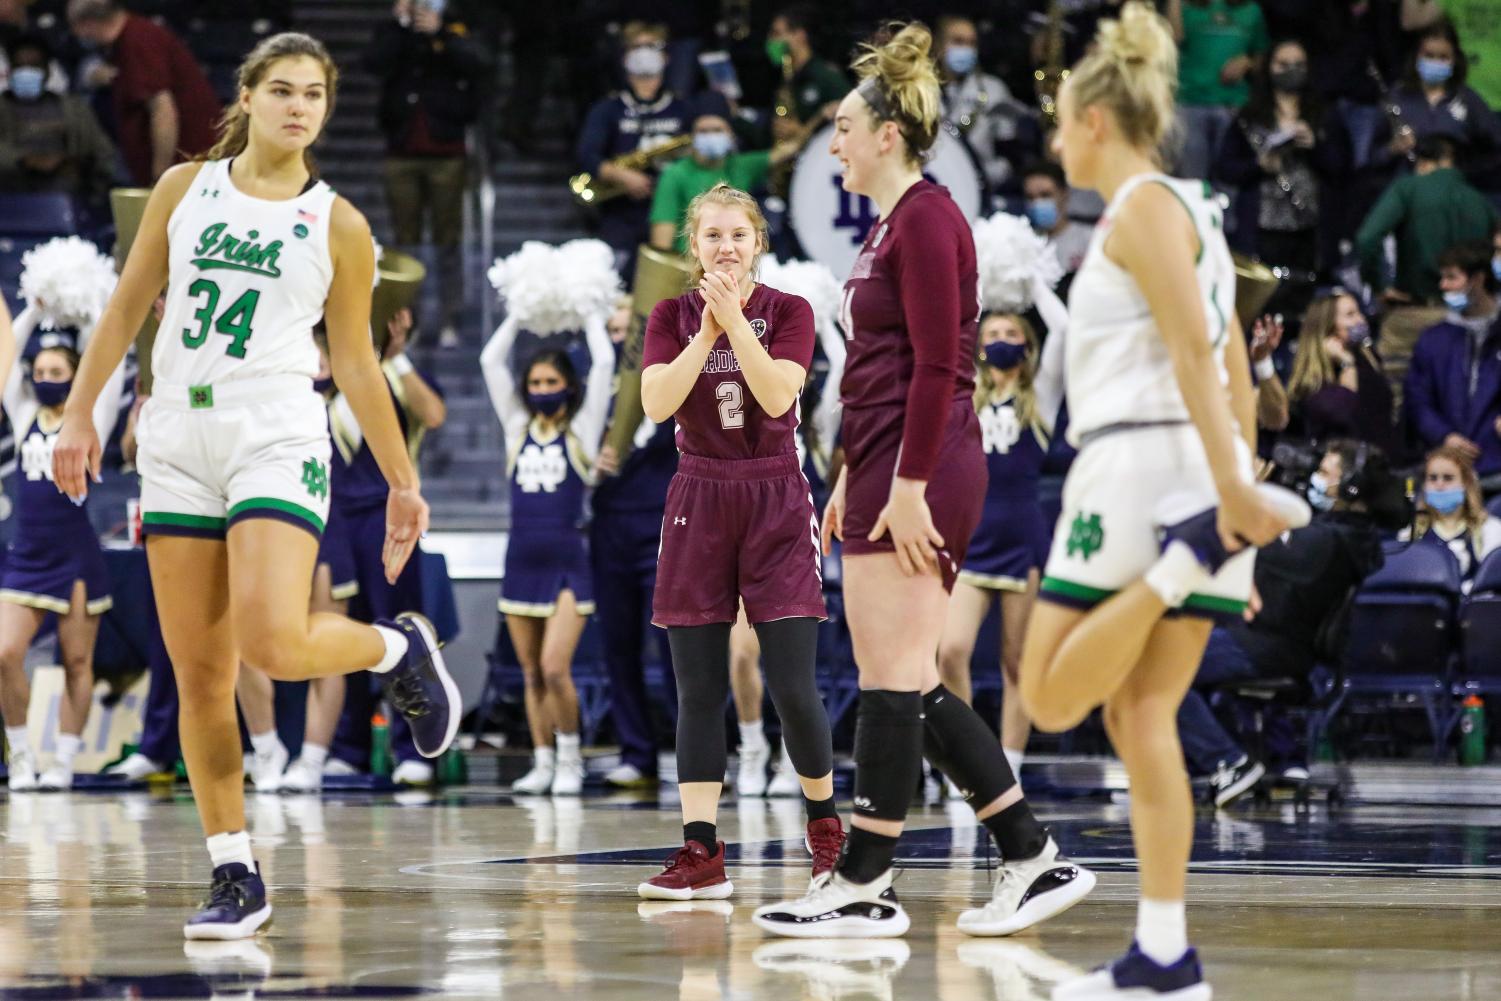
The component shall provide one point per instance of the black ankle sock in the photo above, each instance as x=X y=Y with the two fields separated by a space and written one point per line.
x=866 y=855
x=1018 y=835
x=704 y=833
x=820 y=809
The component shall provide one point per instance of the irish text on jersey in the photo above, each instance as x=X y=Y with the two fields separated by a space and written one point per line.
x=220 y=249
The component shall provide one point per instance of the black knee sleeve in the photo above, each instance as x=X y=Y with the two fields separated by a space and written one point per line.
x=888 y=753
x=701 y=663
x=789 y=652
x=957 y=742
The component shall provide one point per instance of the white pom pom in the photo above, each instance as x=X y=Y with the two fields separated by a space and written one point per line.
x=1010 y=256
x=68 y=281
x=550 y=289
x=808 y=279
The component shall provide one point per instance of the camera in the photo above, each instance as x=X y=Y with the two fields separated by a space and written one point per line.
x=1368 y=485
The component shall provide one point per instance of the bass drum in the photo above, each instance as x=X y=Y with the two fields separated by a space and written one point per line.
x=831 y=223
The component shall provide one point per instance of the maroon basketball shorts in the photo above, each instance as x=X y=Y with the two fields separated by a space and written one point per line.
x=955 y=494
x=738 y=530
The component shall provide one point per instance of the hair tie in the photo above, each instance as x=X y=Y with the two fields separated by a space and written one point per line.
x=875 y=96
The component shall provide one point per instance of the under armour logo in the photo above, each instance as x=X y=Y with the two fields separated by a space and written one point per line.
x=680 y=521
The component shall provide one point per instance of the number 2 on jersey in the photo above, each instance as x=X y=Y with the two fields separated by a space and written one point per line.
x=731 y=405
x=235 y=322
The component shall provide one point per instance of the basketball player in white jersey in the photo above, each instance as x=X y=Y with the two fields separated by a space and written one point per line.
x=234 y=444
x=1160 y=510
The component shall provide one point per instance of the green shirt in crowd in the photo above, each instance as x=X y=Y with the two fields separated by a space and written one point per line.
x=1479 y=28
x=1429 y=213
x=1213 y=34
x=686 y=179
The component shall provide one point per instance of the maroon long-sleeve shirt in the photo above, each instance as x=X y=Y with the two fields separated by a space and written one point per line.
x=911 y=312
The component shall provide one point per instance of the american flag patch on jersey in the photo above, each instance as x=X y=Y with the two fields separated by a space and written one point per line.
x=306 y=216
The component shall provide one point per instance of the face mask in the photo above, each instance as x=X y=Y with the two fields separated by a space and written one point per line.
x=1358 y=335
x=26 y=82
x=1445 y=501
x=52 y=394
x=1043 y=213
x=548 y=404
x=1434 y=71
x=323 y=385
x=1005 y=355
x=1318 y=492
x=645 y=60
x=713 y=145
x=1457 y=301
x=1290 y=81
x=776 y=50
x=961 y=59
x=1496 y=267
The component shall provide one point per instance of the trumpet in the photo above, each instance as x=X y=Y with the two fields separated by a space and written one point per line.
x=589 y=190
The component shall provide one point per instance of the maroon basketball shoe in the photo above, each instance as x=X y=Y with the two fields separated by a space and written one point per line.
x=691 y=873
x=825 y=841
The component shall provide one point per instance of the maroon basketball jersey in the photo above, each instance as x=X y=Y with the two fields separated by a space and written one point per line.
x=720 y=419
x=911 y=312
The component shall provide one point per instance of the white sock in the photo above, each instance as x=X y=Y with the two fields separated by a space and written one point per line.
x=314 y=755
x=1014 y=759
x=68 y=746
x=1161 y=930
x=233 y=847
x=265 y=743
x=15 y=736
x=752 y=734
x=568 y=746
x=544 y=757
x=1176 y=574
x=396 y=648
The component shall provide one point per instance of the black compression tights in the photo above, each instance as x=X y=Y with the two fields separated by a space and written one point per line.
x=701 y=661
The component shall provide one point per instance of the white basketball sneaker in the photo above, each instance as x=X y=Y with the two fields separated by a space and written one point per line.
x=1028 y=892
x=834 y=907
x=302 y=777
x=55 y=779
x=266 y=768
x=784 y=780
x=751 y=781
x=538 y=781
x=135 y=767
x=22 y=768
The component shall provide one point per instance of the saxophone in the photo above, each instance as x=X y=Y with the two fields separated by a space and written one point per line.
x=1050 y=75
x=589 y=190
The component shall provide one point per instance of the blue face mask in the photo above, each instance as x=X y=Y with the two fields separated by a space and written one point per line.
x=548 y=404
x=713 y=145
x=1434 y=71
x=52 y=394
x=1005 y=355
x=961 y=59
x=1318 y=493
x=1043 y=213
x=1445 y=501
x=1496 y=267
x=323 y=385
x=26 y=82
x=1457 y=301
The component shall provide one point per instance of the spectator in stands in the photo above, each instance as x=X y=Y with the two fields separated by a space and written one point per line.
x=1219 y=43
x=1433 y=99
x=1451 y=512
x=636 y=120
x=815 y=85
x=1047 y=195
x=1272 y=409
x=1337 y=389
x=164 y=109
x=1287 y=153
x=992 y=123
x=1428 y=211
x=50 y=142
x=431 y=78
x=16 y=24
x=1453 y=388
x=619 y=323
x=714 y=159
x=1304 y=580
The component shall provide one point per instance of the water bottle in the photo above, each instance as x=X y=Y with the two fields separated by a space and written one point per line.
x=1472 y=732
x=380 y=746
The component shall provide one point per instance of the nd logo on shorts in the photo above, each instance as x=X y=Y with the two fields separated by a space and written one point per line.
x=315 y=478
x=758 y=327
x=1086 y=536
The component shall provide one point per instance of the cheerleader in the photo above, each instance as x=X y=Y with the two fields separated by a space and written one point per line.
x=54 y=564
x=553 y=426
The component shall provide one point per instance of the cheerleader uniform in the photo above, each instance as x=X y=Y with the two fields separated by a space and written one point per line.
x=547 y=550
x=1011 y=539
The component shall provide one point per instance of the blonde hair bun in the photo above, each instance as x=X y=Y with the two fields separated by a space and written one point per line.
x=1133 y=71
x=902 y=67
x=1140 y=37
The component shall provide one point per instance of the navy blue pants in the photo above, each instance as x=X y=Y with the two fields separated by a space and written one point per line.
x=623 y=549
x=1206 y=743
x=159 y=740
x=376 y=600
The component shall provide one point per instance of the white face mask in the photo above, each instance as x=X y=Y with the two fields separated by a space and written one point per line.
x=645 y=60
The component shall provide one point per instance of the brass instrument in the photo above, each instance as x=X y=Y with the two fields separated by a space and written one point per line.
x=128 y=206
x=401 y=278
x=659 y=276
x=1051 y=74
x=1254 y=285
x=589 y=190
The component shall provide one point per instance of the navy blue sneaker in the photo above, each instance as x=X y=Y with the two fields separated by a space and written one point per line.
x=421 y=689
x=236 y=906
x=1137 y=977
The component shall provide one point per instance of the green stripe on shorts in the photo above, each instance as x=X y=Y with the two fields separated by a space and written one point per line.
x=183 y=520
x=1097 y=595
x=277 y=504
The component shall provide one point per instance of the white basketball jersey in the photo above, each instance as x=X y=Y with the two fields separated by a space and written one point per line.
x=248 y=279
x=1117 y=366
